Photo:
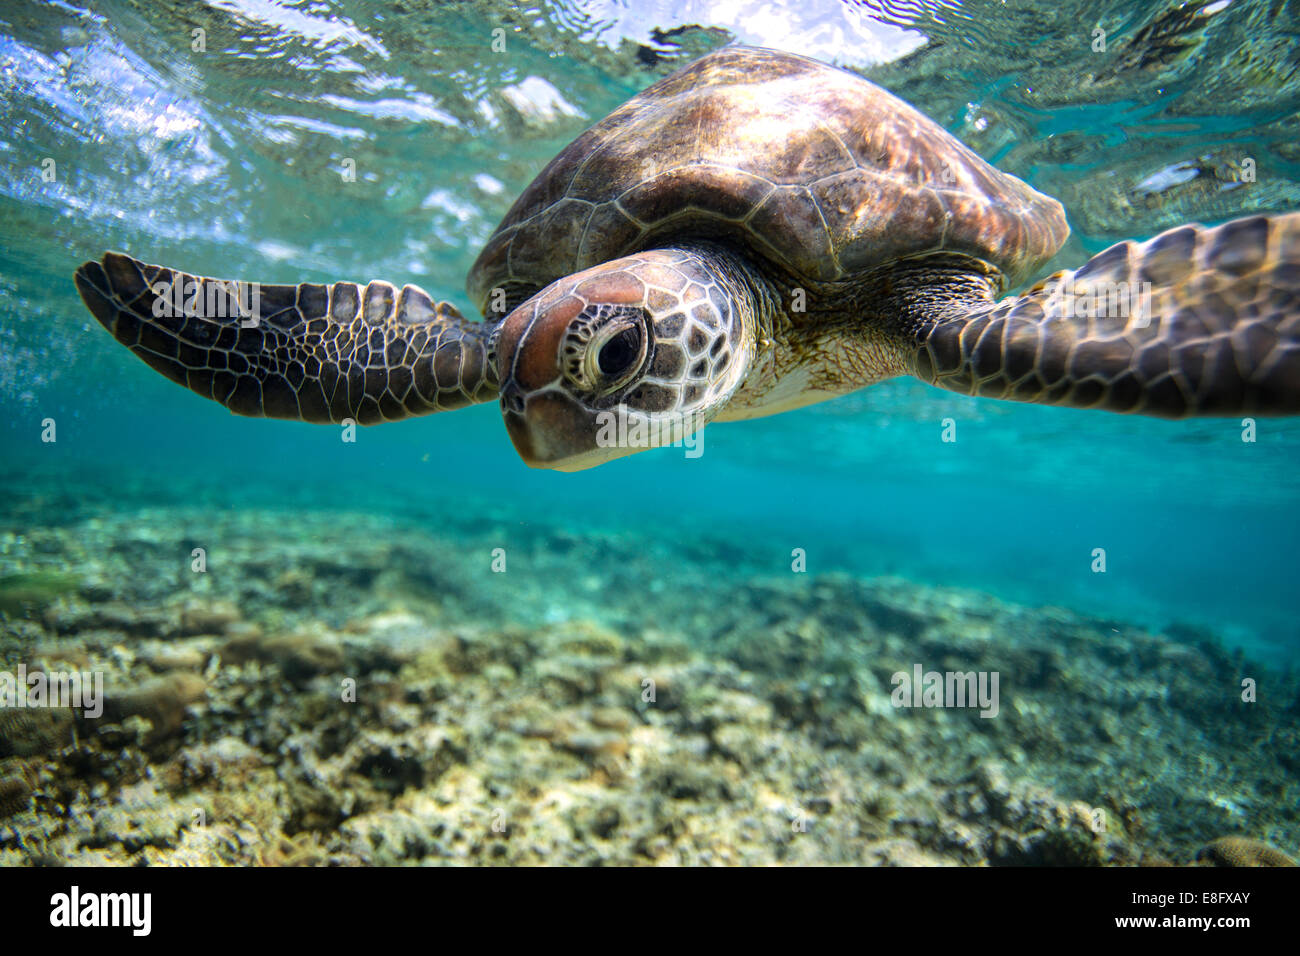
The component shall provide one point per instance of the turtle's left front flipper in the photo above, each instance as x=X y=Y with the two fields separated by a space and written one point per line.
x=317 y=353
x=1196 y=321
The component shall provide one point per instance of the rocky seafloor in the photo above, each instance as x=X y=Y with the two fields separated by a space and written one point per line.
x=343 y=688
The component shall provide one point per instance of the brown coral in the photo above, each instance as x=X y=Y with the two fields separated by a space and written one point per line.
x=1241 y=851
x=26 y=732
x=162 y=701
x=15 y=796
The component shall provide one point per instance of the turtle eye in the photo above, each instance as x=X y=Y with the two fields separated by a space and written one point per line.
x=604 y=347
x=617 y=355
x=614 y=354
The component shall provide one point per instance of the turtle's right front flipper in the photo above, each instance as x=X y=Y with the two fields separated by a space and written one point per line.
x=1197 y=321
x=317 y=353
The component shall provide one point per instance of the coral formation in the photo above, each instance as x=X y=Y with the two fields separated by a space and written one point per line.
x=1242 y=851
x=391 y=706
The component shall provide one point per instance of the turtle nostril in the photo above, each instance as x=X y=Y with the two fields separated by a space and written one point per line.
x=512 y=399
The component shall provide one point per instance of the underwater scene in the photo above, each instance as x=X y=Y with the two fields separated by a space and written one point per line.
x=855 y=607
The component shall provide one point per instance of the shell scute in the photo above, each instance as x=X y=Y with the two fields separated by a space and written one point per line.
x=560 y=226
x=608 y=228
x=790 y=224
x=715 y=190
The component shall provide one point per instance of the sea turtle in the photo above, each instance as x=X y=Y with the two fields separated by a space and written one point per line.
x=755 y=232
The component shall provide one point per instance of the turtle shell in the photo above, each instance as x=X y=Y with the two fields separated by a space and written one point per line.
x=811 y=167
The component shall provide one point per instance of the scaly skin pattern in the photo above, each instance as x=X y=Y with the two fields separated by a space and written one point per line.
x=1218 y=333
x=690 y=328
x=819 y=340
x=316 y=353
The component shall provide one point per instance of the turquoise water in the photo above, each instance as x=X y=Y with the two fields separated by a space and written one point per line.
x=226 y=162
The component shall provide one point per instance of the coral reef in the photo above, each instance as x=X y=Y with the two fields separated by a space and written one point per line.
x=353 y=693
x=1242 y=851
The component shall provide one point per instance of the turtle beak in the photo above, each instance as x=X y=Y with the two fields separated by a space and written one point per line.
x=552 y=431
x=548 y=428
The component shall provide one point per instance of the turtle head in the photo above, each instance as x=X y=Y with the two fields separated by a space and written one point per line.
x=635 y=353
